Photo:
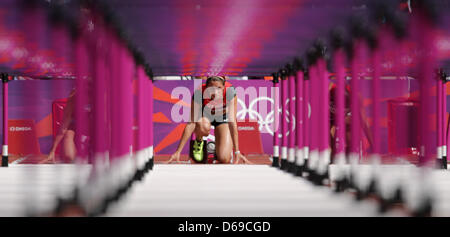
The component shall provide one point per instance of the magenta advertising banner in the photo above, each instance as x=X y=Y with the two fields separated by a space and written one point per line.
x=172 y=100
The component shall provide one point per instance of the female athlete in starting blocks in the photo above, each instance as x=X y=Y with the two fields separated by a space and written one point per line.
x=215 y=103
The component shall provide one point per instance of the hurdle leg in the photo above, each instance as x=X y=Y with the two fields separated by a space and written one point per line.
x=424 y=29
x=306 y=119
x=324 y=144
x=276 y=121
x=5 y=80
x=443 y=121
x=299 y=156
x=355 y=126
x=150 y=119
x=341 y=179
x=375 y=158
x=313 y=158
x=292 y=122
x=439 y=110
x=284 y=124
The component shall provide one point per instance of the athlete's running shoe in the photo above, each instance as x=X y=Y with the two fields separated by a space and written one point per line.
x=197 y=150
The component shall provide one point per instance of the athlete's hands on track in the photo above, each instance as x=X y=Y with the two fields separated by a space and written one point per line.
x=239 y=157
x=50 y=157
x=175 y=156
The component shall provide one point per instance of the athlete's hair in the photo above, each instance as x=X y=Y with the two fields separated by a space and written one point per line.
x=215 y=78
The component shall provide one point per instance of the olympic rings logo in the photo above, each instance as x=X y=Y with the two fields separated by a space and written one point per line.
x=266 y=122
x=264 y=116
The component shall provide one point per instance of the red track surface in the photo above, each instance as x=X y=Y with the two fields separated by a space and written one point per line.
x=263 y=159
x=163 y=158
x=255 y=159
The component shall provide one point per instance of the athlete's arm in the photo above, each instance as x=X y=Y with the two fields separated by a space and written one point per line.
x=187 y=132
x=233 y=124
x=366 y=129
x=67 y=120
x=364 y=122
x=234 y=131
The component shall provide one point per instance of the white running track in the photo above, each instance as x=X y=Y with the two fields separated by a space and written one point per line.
x=233 y=190
x=28 y=189
x=201 y=190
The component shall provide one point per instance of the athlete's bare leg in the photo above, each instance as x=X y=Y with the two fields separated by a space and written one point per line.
x=69 y=150
x=224 y=144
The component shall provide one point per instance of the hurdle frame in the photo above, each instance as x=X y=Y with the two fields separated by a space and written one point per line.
x=5 y=156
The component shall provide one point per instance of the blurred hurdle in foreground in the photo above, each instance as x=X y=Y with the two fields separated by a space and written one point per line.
x=349 y=154
x=109 y=109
